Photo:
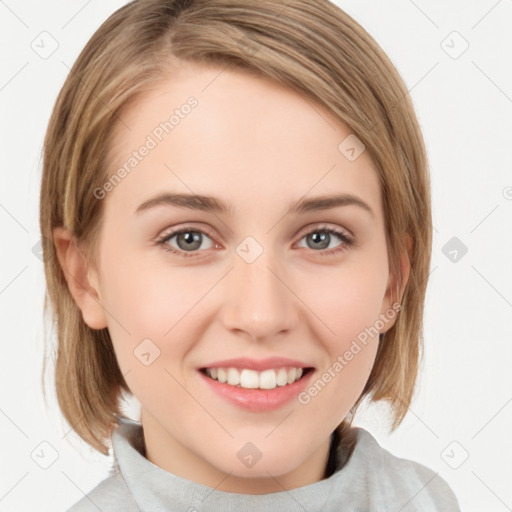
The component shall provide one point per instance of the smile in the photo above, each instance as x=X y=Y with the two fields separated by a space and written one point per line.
x=257 y=391
x=252 y=379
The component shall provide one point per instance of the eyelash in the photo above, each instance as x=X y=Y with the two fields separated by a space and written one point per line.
x=346 y=239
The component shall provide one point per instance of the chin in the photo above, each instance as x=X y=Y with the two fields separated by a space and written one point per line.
x=260 y=479
x=251 y=462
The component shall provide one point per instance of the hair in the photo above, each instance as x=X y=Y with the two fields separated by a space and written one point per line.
x=313 y=48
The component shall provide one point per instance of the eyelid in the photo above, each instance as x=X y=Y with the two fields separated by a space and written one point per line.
x=186 y=227
x=318 y=226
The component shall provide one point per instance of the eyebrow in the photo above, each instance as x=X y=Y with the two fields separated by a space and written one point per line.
x=215 y=205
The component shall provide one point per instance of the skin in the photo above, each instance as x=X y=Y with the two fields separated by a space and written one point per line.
x=259 y=147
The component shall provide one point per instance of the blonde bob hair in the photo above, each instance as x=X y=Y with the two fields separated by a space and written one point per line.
x=310 y=46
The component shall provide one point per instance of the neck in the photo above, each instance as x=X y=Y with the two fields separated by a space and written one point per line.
x=169 y=454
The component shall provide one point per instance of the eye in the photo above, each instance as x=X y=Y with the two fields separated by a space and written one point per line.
x=188 y=240
x=321 y=238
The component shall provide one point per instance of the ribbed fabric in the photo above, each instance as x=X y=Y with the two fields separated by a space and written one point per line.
x=367 y=478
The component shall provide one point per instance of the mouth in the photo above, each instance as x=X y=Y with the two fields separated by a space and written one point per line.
x=252 y=379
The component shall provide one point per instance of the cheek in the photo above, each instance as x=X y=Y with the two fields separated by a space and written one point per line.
x=150 y=297
x=351 y=343
x=348 y=303
x=348 y=299
x=148 y=312
x=153 y=302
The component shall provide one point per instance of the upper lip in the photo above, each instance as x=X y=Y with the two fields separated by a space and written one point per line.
x=257 y=364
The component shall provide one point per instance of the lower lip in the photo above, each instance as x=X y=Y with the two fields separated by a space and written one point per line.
x=258 y=400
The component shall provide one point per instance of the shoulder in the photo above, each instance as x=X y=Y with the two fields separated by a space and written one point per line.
x=110 y=495
x=392 y=480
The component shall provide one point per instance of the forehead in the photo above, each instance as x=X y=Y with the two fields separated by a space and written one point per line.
x=237 y=136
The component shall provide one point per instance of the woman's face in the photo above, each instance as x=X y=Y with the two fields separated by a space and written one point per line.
x=238 y=165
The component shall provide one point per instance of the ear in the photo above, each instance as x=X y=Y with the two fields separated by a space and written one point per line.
x=81 y=278
x=397 y=284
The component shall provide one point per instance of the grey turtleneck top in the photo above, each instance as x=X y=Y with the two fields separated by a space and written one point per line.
x=366 y=478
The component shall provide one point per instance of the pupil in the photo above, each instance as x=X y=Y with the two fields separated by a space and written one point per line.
x=321 y=238
x=190 y=238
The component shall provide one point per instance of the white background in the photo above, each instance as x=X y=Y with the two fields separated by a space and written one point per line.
x=464 y=105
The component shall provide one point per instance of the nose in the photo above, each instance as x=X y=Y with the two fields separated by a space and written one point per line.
x=258 y=298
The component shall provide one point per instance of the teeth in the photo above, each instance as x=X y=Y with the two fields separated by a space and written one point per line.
x=248 y=378
x=221 y=375
x=268 y=379
x=282 y=377
x=233 y=377
x=251 y=379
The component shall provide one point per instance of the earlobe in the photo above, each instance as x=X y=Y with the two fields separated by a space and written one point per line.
x=80 y=277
